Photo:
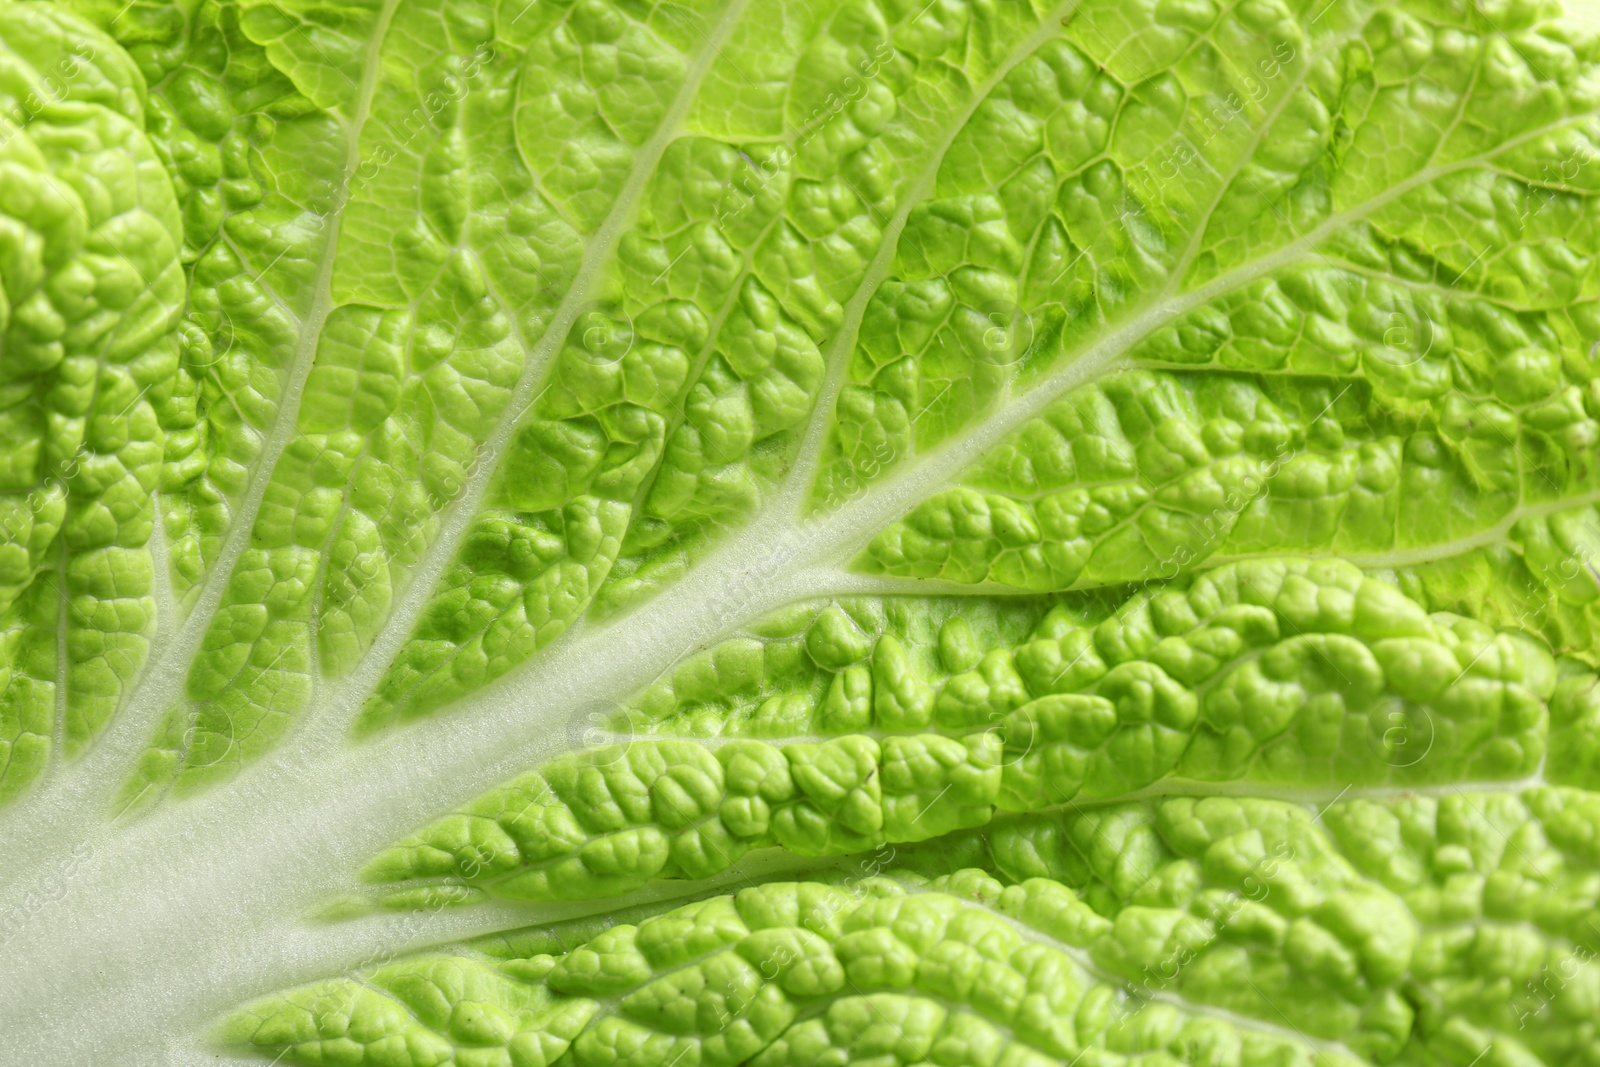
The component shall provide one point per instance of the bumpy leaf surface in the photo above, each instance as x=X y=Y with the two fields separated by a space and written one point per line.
x=861 y=533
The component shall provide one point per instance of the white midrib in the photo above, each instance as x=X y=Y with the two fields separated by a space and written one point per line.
x=204 y=900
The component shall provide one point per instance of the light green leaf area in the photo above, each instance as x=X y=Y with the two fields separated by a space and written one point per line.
x=865 y=723
x=245 y=152
x=859 y=533
x=92 y=291
x=1184 y=930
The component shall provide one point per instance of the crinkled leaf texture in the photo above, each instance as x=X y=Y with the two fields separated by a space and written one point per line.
x=687 y=533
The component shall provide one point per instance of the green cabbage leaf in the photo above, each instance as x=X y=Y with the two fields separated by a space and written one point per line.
x=831 y=533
